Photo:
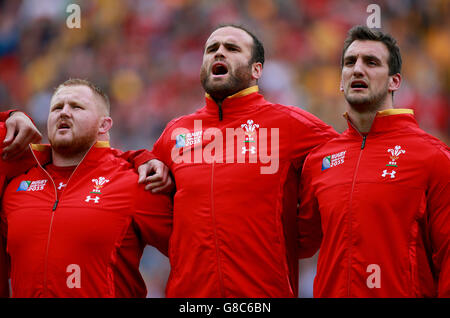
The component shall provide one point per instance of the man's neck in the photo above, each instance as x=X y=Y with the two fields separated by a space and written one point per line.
x=219 y=99
x=62 y=160
x=67 y=160
x=363 y=119
x=218 y=102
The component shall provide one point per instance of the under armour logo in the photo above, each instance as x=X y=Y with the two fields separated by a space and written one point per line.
x=385 y=173
x=88 y=198
x=61 y=185
x=252 y=150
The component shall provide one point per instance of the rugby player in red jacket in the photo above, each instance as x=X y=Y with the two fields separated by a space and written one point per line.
x=236 y=164
x=16 y=132
x=377 y=198
x=77 y=222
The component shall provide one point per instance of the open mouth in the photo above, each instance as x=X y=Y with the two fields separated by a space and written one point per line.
x=219 y=68
x=359 y=85
x=63 y=125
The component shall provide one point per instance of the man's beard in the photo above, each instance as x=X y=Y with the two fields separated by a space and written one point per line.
x=74 y=146
x=370 y=103
x=237 y=81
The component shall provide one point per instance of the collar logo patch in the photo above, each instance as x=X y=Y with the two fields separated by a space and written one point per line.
x=189 y=139
x=98 y=184
x=333 y=160
x=37 y=185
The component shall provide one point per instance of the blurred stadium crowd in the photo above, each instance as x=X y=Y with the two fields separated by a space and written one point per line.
x=146 y=54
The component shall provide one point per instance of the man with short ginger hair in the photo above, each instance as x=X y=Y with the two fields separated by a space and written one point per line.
x=77 y=222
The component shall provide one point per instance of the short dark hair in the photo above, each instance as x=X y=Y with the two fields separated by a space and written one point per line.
x=363 y=33
x=97 y=90
x=258 y=48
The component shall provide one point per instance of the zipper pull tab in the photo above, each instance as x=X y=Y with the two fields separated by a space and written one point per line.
x=363 y=142
x=55 y=205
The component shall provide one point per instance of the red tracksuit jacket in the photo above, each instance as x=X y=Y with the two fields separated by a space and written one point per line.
x=234 y=228
x=88 y=242
x=380 y=204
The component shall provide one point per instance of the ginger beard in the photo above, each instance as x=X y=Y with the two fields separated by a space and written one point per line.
x=233 y=82
x=72 y=141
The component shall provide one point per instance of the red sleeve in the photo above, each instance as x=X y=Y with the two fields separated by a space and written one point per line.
x=438 y=206
x=14 y=168
x=135 y=157
x=309 y=225
x=163 y=147
x=153 y=217
x=307 y=132
x=5 y=115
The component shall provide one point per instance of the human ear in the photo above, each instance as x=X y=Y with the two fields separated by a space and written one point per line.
x=106 y=124
x=394 y=82
x=257 y=70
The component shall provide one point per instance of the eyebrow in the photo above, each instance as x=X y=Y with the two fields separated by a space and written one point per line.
x=71 y=102
x=365 y=57
x=226 y=44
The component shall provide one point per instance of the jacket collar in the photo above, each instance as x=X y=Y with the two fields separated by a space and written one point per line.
x=99 y=150
x=385 y=121
x=243 y=101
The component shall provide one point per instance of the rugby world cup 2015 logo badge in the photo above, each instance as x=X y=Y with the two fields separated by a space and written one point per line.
x=326 y=162
x=37 y=185
x=189 y=139
x=333 y=160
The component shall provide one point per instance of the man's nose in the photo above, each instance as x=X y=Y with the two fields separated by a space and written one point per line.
x=358 y=67
x=65 y=110
x=220 y=52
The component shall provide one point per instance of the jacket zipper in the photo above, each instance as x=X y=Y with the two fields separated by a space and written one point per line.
x=216 y=240
x=55 y=205
x=48 y=239
x=220 y=112
x=349 y=266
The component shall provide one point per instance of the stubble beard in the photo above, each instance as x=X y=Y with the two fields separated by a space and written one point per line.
x=237 y=81
x=371 y=103
x=75 y=146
